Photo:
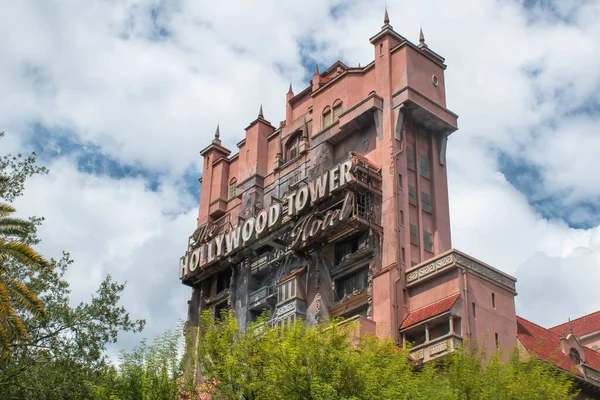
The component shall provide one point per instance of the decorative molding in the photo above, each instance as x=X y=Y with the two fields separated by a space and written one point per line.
x=438 y=348
x=592 y=375
x=455 y=259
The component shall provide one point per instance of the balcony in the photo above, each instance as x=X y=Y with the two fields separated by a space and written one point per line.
x=217 y=208
x=436 y=348
x=266 y=262
x=259 y=299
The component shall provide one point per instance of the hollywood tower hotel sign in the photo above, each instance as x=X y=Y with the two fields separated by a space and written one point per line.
x=342 y=211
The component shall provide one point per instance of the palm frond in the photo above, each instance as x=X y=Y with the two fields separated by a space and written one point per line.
x=22 y=253
x=22 y=296
x=6 y=209
x=14 y=226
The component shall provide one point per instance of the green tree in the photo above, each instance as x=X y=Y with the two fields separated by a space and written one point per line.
x=150 y=372
x=330 y=361
x=65 y=351
x=14 y=293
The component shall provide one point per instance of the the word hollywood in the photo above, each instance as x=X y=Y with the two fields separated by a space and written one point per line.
x=215 y=246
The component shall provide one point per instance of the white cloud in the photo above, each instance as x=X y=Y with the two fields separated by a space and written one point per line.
x=117 y=227
x=101 y=70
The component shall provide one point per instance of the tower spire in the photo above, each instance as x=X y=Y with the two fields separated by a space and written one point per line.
x=260 y=112
x=421 y=38
x=290 y=89
x=217 y=138
x=316 y=69
x=386 y=17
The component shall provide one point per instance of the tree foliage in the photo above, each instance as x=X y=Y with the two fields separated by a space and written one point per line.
x=329 y=361
x=65 y=346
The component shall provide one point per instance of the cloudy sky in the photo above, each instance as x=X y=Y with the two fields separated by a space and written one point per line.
x=118 y=98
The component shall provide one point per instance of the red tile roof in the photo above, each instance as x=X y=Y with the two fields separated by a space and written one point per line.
x=581 y=326
x=544 y=344
x=430 y=311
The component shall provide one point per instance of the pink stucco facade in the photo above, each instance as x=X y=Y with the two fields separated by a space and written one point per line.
x=377 y=135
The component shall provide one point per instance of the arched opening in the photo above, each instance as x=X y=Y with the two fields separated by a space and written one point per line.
x=291 y=146
x=327 y=117
x=337 y=109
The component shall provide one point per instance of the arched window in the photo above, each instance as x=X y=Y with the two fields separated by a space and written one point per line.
x=291 y=146
x=232 y=188
x=574 y=354
x=337 y=109
x=327 y=117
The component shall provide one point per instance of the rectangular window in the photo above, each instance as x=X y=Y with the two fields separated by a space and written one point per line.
x=414 y=235
x=412 y=195
x=426 y=202
x=348 y=246
x=403 y=255
x=223 y=281
x=286 y=290
x=474 y=311
x=400 y=181
x=410 y=158
x=424 y=166
x=232 y=189
x=401 y=217
x=493 y=300
x=351 y=284
x=497 y=341
x=428 y=241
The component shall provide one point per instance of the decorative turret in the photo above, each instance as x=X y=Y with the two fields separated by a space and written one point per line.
x=316 y=79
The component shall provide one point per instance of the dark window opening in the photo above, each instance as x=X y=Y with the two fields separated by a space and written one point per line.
x=220 y=309
x=337 y=110
x=410 y=158
x=474 y=311
x=223 y=280
x=350 y=284
x=428 y=241
x=348 y=246
x=497 y=341
x=412 y=195
x=494 y=300
x=364 y=204
x=574 y=354
x=424 y=166
x=426 y=202
x=291 y=147
x=414 y=235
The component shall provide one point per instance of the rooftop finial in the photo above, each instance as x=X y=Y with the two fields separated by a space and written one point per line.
x=316 y=69
x=260 y=112
x=386 y=17
x=290 y=89
x=570 y=327
x=358 y=65
x=421 y=38
x=217 y=138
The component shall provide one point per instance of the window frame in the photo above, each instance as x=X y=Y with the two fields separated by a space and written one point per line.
x=336 y=110
x=287 y=290
x=232 y=188
x=357 y=281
